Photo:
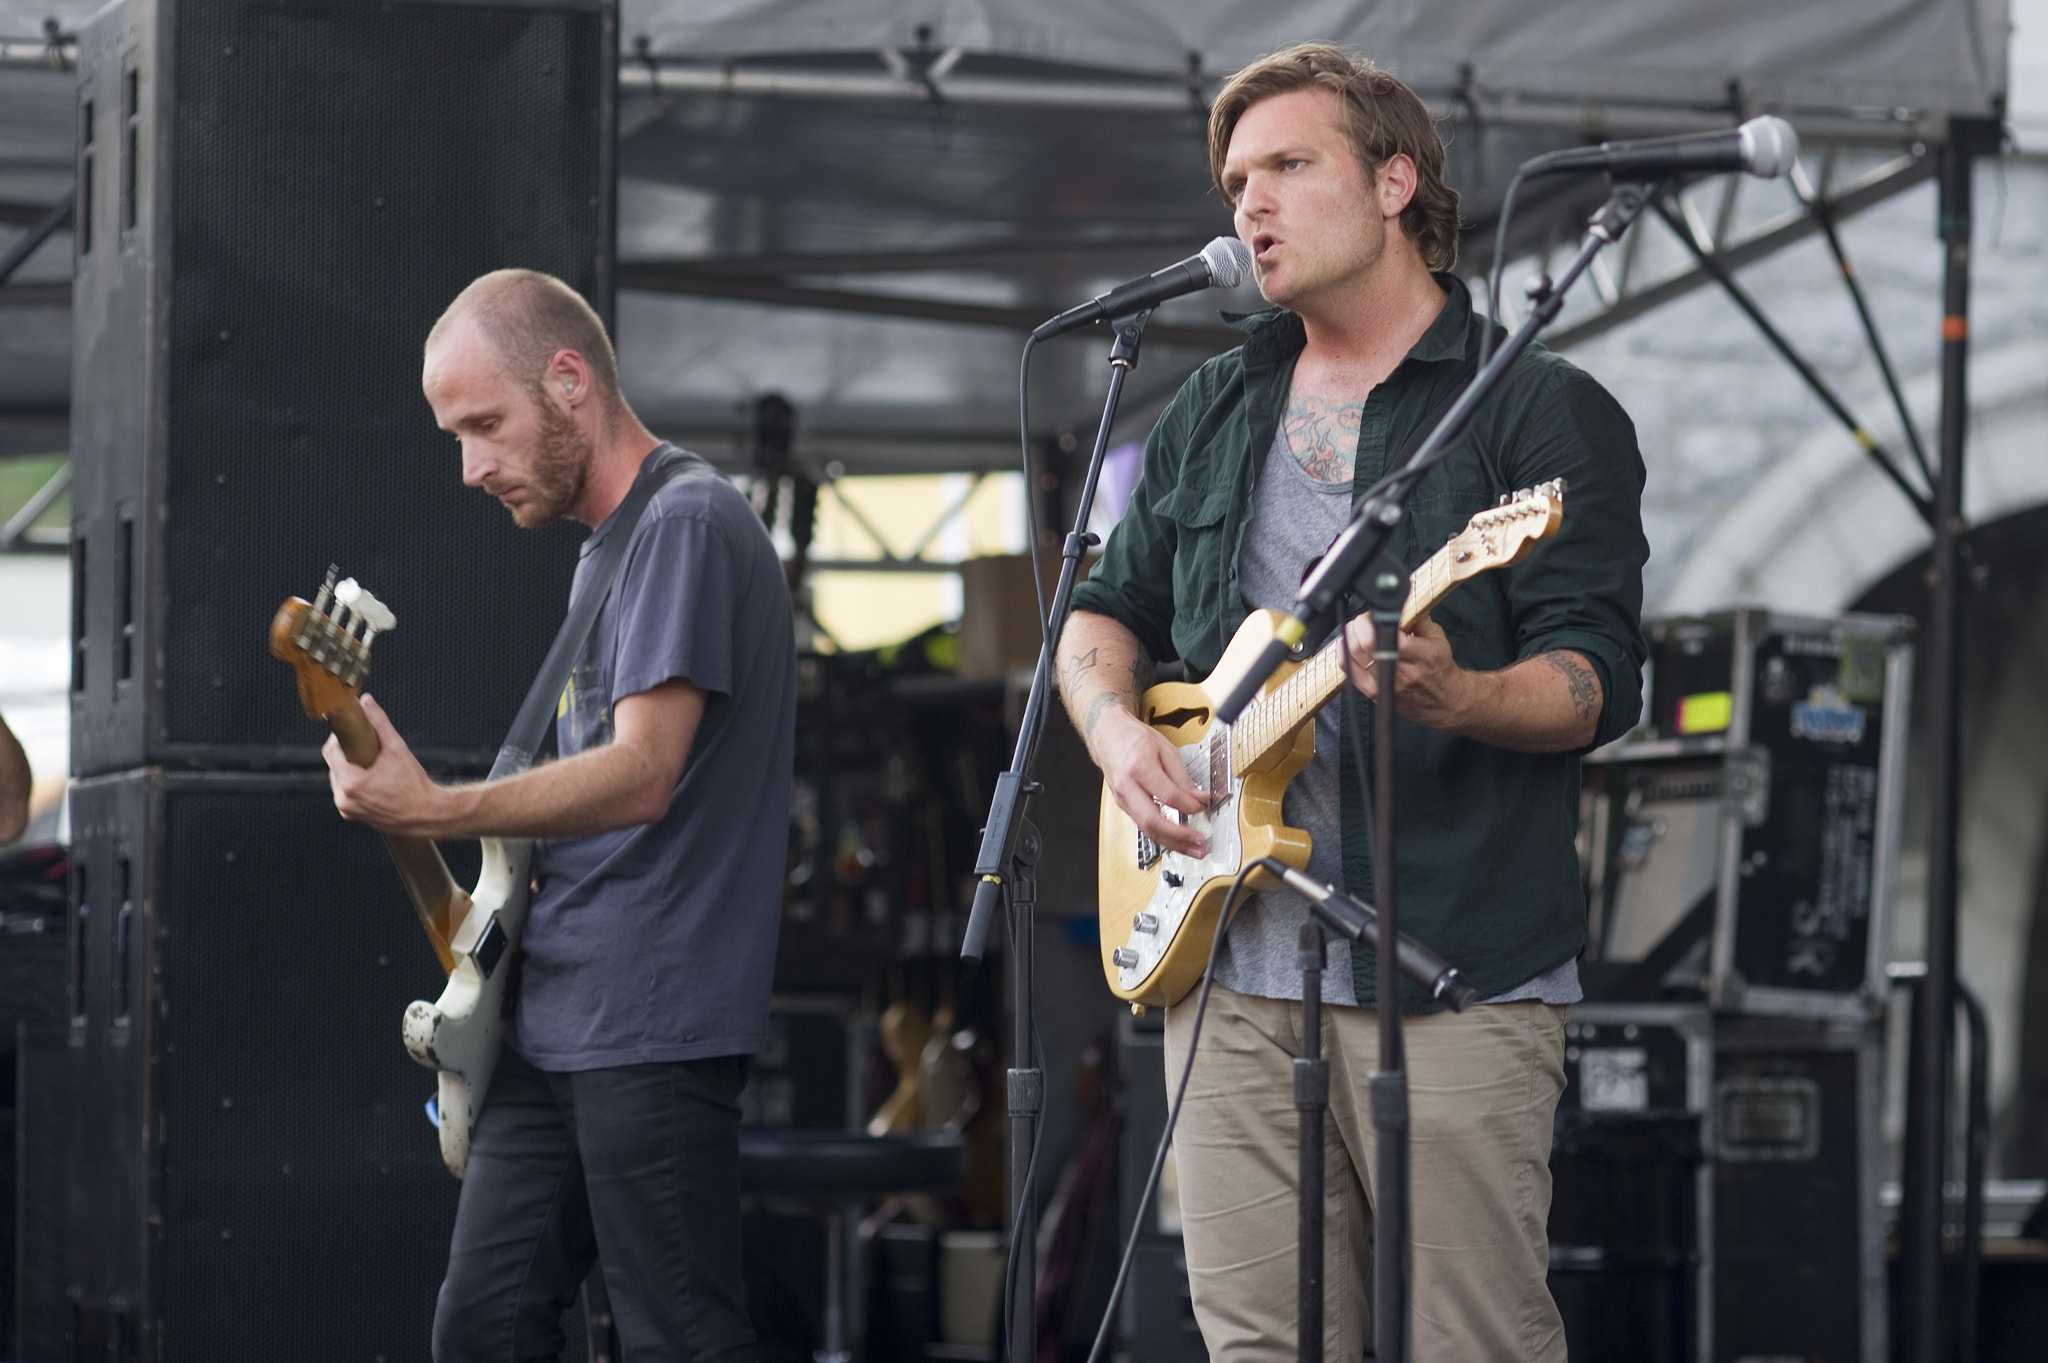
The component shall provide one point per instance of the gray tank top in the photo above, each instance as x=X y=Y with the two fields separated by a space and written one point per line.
x=1294 y=518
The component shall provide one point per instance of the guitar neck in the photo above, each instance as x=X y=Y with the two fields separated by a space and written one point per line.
x=1273 y=718
x=436 y=898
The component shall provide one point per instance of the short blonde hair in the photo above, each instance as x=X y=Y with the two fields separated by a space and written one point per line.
x=526 y=317
x=1383 y=118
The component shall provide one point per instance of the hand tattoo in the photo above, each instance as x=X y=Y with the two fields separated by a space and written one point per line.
x=1581 y=679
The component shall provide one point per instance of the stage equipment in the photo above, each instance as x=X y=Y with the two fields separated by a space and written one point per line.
x=1222 y=264
x=1631 y=1249
x=250 y=1165
x=1744 y=840
x=1764 y=147
x=34 y=971
x=275 y=204
x=1798 y=1268
x=1157 y=1315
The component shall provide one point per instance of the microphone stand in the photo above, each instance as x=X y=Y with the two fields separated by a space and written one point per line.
x=1358 y=561
x=1009 y=847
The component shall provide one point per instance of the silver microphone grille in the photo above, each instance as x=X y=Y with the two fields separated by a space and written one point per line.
x=1769 y=146
x=1229 y=261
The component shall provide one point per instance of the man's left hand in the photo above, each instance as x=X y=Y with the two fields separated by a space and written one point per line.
x=1429 y=686
x=394 y=793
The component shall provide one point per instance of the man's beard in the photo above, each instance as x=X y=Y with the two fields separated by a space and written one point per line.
x=561 y=466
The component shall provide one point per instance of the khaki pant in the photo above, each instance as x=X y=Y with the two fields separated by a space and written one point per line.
x=1482 y=1088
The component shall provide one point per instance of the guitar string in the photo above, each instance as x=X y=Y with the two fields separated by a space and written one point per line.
x=1312 y=684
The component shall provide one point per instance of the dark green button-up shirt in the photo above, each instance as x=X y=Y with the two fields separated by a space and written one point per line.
x=1488 y=872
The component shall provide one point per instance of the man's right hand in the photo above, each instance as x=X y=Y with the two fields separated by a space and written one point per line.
x=1103 y=671
x=1143 y=771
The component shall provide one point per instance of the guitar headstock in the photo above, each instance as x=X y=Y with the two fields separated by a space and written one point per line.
x=327 y=642
x=1504 y=534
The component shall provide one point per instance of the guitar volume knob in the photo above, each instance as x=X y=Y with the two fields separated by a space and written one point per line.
x=1147 y=923
x=1125 y=958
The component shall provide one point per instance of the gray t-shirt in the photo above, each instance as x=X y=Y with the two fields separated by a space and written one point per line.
x=1295 y=516
x=657 y=942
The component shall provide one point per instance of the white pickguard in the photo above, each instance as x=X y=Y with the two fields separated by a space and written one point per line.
x=460 y=1033
x=1158 y=925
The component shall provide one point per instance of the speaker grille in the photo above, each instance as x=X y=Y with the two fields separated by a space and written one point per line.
x=301 y=1188
x=340 y=173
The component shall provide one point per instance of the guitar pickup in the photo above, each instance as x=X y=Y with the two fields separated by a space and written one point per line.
x=1125 y=958
x=490 y=946
x=1146 y=923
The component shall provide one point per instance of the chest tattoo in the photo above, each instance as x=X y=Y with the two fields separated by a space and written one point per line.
x=1323 y=435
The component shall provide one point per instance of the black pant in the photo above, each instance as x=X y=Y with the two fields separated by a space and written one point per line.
x=638 y=1164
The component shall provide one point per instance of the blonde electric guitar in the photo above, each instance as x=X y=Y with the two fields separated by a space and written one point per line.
x=1158 y=908
x=327 y=642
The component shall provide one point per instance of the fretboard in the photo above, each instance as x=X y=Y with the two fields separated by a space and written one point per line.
x=1273 y=718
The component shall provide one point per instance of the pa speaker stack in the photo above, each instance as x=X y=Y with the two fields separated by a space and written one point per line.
x=275 y=201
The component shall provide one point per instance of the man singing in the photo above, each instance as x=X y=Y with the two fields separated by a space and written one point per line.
x=1334 y=172
x=611 y=1126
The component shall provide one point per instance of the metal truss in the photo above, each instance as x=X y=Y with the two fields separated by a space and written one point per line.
x=1625 y=298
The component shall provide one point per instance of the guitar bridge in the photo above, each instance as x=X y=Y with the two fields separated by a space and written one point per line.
x=1149 y=852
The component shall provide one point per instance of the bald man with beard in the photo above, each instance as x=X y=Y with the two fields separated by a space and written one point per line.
x=610 y=1131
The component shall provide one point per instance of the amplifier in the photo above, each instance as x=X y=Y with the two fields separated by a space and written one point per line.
x=1742 y=845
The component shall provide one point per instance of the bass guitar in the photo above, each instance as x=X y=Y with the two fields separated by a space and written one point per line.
x=1158 y=908
x=327 y=642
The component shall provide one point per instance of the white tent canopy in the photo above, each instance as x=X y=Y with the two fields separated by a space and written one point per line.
x=855 y=201
x=1864 y=59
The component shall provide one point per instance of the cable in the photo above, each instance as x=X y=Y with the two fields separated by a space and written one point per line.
x=1144 y=1202
x=1354 y=704
x=1028 y=1185
x=1500 y=251
x=1030 y=492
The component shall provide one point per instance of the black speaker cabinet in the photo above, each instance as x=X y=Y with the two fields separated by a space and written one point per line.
x=1630 y=1249
x=250 y=1171
x=276 y=198
x=1798 y=1266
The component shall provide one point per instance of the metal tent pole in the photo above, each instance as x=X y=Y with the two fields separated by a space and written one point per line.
x=1931 y=1062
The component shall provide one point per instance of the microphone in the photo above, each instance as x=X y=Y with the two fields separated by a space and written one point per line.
x=1765 y=147
x=1359 y=923
x=1222 y=264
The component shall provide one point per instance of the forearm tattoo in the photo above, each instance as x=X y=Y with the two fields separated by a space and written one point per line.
x=1074 y=665
x=1581 y=680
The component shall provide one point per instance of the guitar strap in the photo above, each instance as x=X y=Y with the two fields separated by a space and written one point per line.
x=530 y=725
